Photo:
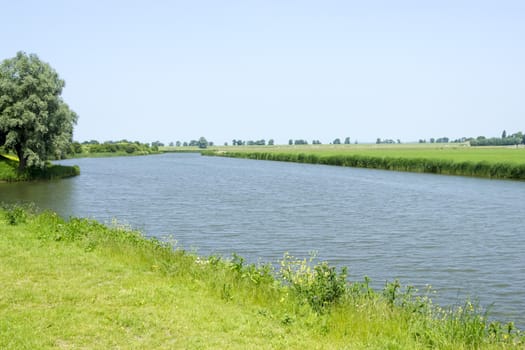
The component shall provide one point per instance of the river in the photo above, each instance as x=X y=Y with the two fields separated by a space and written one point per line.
x=463 y=236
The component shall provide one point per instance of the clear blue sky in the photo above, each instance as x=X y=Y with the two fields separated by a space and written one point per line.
x=178 y=70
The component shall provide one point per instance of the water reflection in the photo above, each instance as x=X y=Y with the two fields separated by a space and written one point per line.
x=58 y=195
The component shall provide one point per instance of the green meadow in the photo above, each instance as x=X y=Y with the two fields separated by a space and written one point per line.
x=79 y=284
x=450 y=159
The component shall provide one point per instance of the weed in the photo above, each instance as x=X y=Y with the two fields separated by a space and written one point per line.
x=321 y=285
x=16 y=214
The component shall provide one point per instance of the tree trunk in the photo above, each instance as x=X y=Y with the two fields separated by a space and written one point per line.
x=22 y=161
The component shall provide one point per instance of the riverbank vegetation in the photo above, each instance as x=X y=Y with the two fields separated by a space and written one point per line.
x=94 y=148
x=78 y=284
x=449 y=159
x=10 y=172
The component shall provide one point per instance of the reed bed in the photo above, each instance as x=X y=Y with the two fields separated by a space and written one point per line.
x=400 y=160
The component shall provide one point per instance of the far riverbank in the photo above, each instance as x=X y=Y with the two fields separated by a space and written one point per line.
x=486 y=162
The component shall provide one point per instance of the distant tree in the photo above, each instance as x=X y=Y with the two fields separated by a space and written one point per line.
x=347 y=141
x=185 y=144
x=178 y=144
x=337 y=141
x=270 y=142
x=172 y=144
x=290 y=142
x=514 y=139
x=132 y=147
x=432 y=140
x=378 y=141
x=256 y=143
x=202 y=143
x=398 y=141
x=504 y=134
x=153 y=144
x=76 y=148
x=35 y=122
x=92 y=142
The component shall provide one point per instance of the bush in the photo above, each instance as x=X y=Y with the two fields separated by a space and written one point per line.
x=16 y=214
x=320 y=286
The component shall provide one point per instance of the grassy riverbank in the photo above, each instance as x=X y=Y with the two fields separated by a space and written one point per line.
x=9 y=171
x=448 y=159
x=80 y=284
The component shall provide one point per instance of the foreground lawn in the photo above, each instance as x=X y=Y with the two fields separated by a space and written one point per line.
x=82 y=285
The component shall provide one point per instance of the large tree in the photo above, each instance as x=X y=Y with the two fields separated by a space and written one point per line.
x=35 y=122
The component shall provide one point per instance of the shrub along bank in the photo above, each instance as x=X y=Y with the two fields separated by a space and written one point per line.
x=111 y=149
x=81 y=284
x=9 y=171
x=494 y=170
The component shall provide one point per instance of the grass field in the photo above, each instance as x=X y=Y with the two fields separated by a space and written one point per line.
x=80 y=284
x=453 y=152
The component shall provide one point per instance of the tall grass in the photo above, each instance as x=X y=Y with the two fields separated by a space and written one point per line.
x=125 y=290
x=494 y=170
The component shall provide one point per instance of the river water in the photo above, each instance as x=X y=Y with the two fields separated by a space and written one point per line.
x=463 y=236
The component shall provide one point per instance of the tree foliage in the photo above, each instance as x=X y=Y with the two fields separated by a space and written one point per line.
x=35 y=122
x=202 y=143
x=505 y=140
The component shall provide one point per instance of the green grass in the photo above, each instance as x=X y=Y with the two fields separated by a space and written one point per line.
x=80 y=284
x=9 y=171
x=449 y=159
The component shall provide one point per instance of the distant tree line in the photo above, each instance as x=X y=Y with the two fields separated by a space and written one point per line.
x=442 y=140
x=387 y=141
x=122 y=146
x=513 y=139
x=505 y=140
x=261 y=142
x=201 y=143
